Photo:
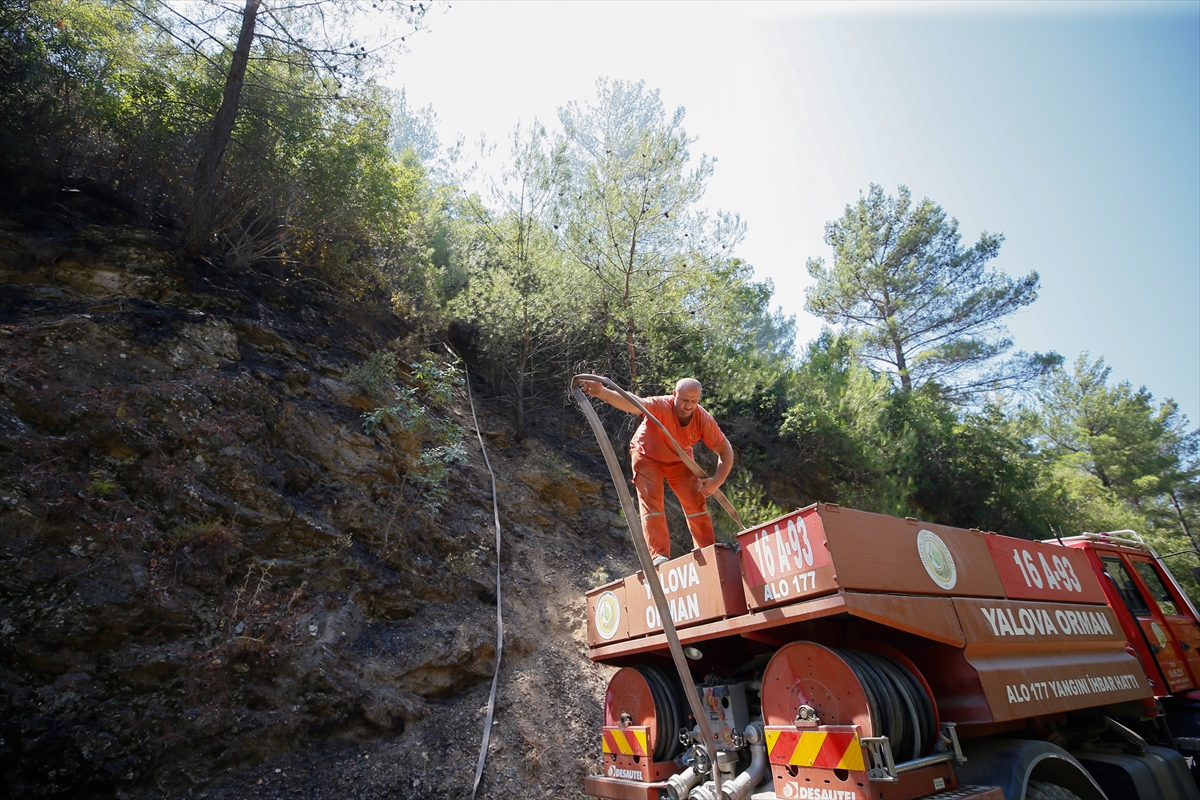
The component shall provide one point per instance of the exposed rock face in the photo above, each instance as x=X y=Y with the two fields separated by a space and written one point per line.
x=207 y=566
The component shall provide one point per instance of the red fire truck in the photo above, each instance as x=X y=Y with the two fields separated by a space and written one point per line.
x=842 y=655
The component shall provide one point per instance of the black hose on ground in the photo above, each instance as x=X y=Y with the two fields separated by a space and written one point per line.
x=491 y=706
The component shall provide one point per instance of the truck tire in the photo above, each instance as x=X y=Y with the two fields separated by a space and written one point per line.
x=1040 y=790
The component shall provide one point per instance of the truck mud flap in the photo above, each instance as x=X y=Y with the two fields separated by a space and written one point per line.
x=1158 y=774
x=1010 y=763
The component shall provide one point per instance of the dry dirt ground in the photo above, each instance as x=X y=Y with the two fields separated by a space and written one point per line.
x=545 y=730
x=202 y=594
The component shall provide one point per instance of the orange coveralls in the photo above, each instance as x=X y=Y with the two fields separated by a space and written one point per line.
x=655 y=460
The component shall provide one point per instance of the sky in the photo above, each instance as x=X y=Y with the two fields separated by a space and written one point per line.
x=1072 y=129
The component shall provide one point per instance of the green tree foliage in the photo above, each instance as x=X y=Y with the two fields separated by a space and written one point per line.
x=414 y=130
x=310 y=111
x=312 y=41
x=71 y=72
x=1122 y=460
x=630 y=218
x=971 y=470
x=415 y=410
x=874 y=446
x=117 y=97
x=917 y=302
x=590 y=254
x=521 y=297
x=743 y=355
x=1114 y=433
x=832 y=423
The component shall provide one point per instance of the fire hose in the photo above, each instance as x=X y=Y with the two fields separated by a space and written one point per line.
x=639 y=542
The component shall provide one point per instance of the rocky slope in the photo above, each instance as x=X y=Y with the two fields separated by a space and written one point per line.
x=213 y=580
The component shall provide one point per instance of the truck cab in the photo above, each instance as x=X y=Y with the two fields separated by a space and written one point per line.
x=1160 y=623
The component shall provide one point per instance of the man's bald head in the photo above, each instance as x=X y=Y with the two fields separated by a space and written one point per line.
x=687 y=398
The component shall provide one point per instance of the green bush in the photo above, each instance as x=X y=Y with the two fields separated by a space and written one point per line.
x=415 y=410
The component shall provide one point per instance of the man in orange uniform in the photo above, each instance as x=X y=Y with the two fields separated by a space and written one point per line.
x=654 y=459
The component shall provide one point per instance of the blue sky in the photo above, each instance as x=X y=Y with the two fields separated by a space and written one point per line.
x=1072 y=129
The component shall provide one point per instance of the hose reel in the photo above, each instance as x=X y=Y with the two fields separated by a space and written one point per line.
x=808 y=684
x=898 y=700
x=645 y=695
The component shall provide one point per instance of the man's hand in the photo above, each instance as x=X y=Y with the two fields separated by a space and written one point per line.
x=709 y=486
x=590 y=387
x=601 y=392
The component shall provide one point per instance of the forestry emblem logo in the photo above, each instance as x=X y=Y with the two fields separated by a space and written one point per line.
x=936 y=558
x=1159 y=634
x=608 y=615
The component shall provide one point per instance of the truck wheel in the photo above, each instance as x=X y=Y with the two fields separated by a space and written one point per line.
x=1040 y=790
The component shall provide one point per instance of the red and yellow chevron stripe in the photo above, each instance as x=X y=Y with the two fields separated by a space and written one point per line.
x=629 y=741
x=827 y=749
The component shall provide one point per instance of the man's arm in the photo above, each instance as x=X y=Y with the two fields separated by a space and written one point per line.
x=599 y=391
x=709 y=486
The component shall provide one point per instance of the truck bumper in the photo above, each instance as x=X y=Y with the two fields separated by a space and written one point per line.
x=617 y=789
x=961 y=793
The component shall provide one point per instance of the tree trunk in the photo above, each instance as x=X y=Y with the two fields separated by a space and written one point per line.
x=629 y=342
x=520 y=406
x=566 y=401
x=626 y=305
x=902 y=368
x=522 y=365
x=1183 y=522
x=897 y=344
x=209 y=166
x=633 y=374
